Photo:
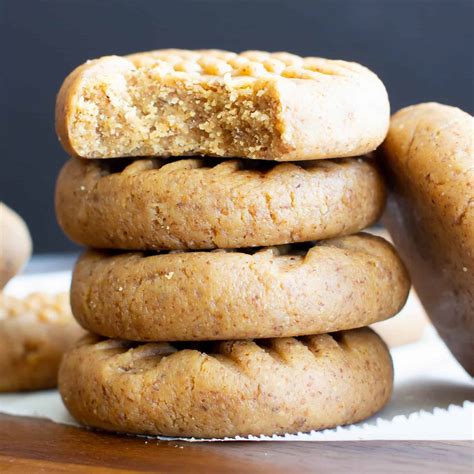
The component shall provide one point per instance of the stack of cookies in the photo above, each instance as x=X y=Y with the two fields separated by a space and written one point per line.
x=225 y=296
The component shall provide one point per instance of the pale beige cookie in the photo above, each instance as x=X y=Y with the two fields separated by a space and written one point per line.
x=203 y=204
x=336 y=284
x=275 y=106
x=429 y=162
x=410 y=324
x=34 y=333
x=15 y=244
x=407 y=327
x=230 y=388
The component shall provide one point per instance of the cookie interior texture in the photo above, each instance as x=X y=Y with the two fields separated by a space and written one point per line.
x=229 y=388
x=218 y=103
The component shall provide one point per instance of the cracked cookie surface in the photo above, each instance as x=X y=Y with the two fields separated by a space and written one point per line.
x=229 y=388
x=336 y=284
x=205 y=203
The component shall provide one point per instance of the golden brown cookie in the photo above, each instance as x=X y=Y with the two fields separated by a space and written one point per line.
x=203 y=204
x=15 y=244
x=275 y=106
x=429 y=161
x=336 y=284
x=230 y=388
x=34 y=333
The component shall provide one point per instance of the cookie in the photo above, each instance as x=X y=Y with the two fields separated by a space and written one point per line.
x=336 y=284
x=428 y=159
x=15 y=244
x=407 y=327
x=228 y=388
x=34 y=333
x=410 y=324
x=275 y=106
x=204 y=204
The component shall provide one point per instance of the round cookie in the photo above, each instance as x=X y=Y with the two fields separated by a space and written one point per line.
x=34 y=333
x=336 y=284
x=274 y=106
x=428 y=158
x=15 y=244
x=229 y=388
x=205 y=204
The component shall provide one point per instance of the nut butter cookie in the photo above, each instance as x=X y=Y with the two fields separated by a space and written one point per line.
x=204 y=203
x=15 y=244
x=336 y=284
x=275 y=106
x=34 y=333
x=428 y=158
x=228 y=388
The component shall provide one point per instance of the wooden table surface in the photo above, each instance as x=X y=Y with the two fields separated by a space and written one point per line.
x=30 y=445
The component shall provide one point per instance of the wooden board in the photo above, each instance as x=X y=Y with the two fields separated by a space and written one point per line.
x=29 y=445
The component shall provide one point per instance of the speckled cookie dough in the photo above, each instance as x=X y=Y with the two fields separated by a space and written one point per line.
x=205 y=204
x=34 y=333
x=275 y=106
x=335 y=284
x=428 y=158
x=228 y=388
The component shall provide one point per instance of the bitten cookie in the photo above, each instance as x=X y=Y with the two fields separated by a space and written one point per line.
x=229 y=388
x=336 y=284
x=204 y=204
x=15 y=244
x=275 y=106
x=34 y=333
x=429 y=161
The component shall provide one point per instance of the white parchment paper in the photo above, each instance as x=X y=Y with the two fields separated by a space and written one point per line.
x=433 y=396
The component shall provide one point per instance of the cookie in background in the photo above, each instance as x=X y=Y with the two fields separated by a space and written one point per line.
x=35 y=331
x=411 y=323
x=428 y=159
x=15 y=244
x=407 y=327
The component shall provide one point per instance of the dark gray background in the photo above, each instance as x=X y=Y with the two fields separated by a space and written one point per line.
x=422 y=50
